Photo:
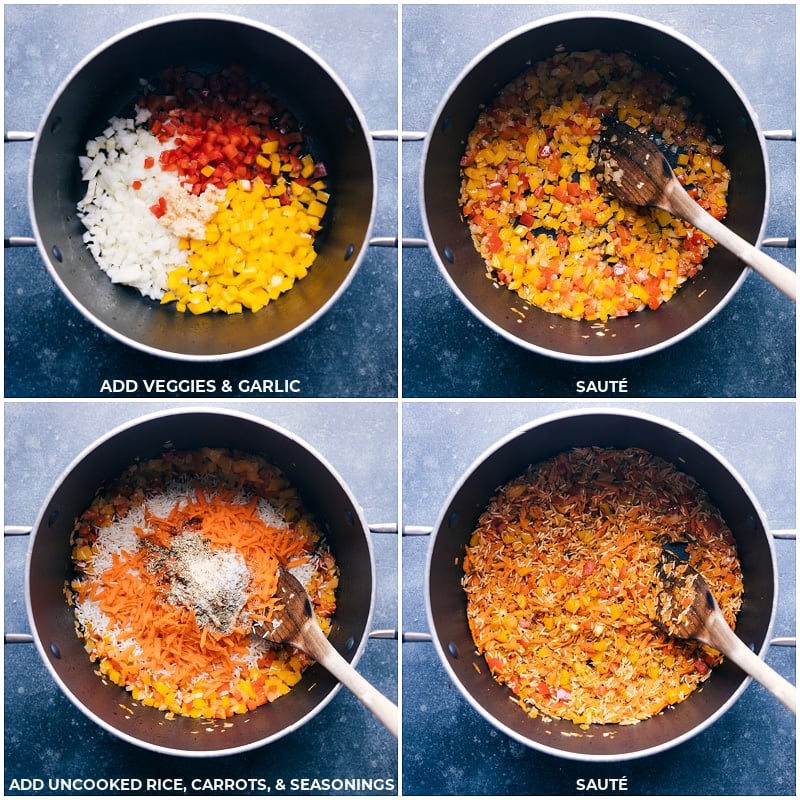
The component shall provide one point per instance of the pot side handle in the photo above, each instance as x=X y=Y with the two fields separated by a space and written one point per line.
x=19 y=136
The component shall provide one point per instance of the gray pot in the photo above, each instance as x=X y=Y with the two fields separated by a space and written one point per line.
x=446 y=600
x=694 y=72
x=105 y=84
x=49 y=565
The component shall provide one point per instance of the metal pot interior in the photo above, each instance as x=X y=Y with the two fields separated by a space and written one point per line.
x=724 y=110
x=49 y=566
x=104 y=85
x=447 y=600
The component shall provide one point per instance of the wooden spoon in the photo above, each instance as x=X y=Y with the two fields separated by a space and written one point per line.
x=686 y=608
x=295 y=625
x=634 y=170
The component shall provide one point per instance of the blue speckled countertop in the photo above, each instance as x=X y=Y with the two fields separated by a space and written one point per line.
x=451 y=750
x=747 y=350
x=53 y=351
x=48 y=737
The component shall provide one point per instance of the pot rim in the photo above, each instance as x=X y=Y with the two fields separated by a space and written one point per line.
x=263 y=28
x=40 y=522
x=499 y=445
x=489 y=50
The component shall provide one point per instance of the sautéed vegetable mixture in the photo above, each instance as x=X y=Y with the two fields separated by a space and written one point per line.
x=532 y=203
x=561 y=583
x=175 y=561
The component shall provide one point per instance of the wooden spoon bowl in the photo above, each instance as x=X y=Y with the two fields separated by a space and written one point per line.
x=294 y=624
x=634 y=170
x=686 y=608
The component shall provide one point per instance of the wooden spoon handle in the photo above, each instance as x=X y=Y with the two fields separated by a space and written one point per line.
x=776 y=273
x=738 y=652
x=319 y=648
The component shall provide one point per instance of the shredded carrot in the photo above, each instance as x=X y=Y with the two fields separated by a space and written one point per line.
x=153 y=642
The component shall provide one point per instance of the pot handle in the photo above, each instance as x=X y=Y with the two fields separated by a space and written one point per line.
x=416 y=636
x=382 y=527
x=17 y=530
x=18 y=638
x=394 y=241
x=19 y=136
x=417 y=530
x=393 y=136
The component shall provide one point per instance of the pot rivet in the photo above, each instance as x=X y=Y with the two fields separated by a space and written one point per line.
x=445 y=124
x=452 y=519
x=57 y=253
x=348 y=253
x=55 y=650
x=452 y=649
x=350 y=124
x=349 y=644
x=449 y=255
x=55 y=125
x=53 y=518
x=351 y=520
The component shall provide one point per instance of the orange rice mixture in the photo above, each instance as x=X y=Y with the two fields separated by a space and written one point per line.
x=533 y=206
x=176 y=561
x=560 y=577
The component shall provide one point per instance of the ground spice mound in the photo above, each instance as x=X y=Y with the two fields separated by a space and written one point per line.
x=533 y=206
x=176 y=561
x=212 y=583
x=560 y=577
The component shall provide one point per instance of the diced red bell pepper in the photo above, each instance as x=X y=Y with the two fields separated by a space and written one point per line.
x=159 y=208
x=221 y=120
x=494 y=243
x=561 y=194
